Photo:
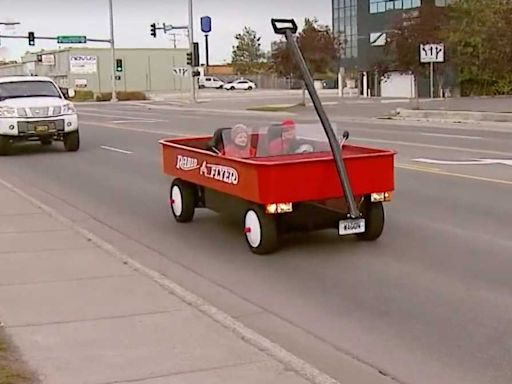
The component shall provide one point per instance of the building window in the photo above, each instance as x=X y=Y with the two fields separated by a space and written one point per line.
x=379 y=6
x=345 y=23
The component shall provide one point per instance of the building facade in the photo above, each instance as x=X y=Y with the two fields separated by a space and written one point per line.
x=364 y=24
x=144 y=70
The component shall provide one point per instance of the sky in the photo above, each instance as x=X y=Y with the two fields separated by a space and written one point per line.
x=132 y=20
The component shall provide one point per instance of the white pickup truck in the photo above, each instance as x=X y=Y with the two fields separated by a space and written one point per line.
x=33 y=108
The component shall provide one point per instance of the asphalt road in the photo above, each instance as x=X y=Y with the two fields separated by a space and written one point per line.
x=430 y=302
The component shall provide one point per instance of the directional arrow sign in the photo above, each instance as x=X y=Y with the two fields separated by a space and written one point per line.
x=71 y=39
x=466 y=162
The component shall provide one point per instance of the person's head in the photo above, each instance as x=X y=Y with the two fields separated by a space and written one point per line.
x=288 y=129
x=240 y=135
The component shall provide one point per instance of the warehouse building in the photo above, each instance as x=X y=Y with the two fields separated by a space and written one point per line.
x=142 y=70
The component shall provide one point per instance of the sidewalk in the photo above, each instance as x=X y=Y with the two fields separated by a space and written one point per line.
x=82 y=313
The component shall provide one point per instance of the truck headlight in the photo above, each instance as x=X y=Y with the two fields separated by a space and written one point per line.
x=8 y=112
x=68 y=109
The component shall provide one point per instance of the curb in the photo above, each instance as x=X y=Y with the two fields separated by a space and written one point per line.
x=457 y=116
x=292 y=362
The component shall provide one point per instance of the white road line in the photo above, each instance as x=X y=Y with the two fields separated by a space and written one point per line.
x=452 y=136
x=115 y=150
x=134 y=121
x=117 y=116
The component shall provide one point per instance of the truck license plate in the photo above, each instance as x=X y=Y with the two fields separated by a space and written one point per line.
x=351 y=226
x=41 y=128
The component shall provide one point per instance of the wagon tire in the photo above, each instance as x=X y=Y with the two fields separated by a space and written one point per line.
x=261 y=232
x=373 y=214
x=182 y=200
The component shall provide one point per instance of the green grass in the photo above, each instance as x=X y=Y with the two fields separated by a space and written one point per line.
x=274 y=107
x=12 y=370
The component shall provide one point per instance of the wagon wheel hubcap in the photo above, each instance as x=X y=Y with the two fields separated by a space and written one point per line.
x=253 y=229
x=176 y=200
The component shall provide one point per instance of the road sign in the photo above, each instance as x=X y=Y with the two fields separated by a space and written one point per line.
x=71 y=39
x=180 y=71
x=206 y=24
x=432 y=53
x=378 y=39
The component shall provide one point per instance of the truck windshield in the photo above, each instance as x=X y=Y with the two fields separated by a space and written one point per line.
x=16 y=89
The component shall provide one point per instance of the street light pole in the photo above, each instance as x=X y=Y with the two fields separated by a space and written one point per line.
x=113 y=52
x=191 y=43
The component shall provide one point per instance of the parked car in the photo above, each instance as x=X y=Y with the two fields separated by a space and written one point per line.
x=210 y=82
x=33 y=108
x=240 y=84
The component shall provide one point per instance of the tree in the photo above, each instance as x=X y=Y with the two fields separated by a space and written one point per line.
x=401 y=52
x=479 y=35
x=319 y=46
x=247 y=56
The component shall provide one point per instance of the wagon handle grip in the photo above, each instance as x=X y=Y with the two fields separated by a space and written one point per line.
x=280 y=26
x=288 y=32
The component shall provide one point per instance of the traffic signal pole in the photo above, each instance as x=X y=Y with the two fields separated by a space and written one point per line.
x=113 y=53
x=191 y=44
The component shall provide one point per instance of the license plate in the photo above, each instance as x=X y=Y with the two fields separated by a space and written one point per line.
x=41 y=128
x=351 y=226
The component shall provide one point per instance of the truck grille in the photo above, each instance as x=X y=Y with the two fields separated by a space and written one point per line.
x=40 y=112
x=30 y=126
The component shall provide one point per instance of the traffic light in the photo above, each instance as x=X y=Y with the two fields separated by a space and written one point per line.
x=195 y=56
x=31 y=38
x=153 y=30
x=189 y=58
x=119 y=65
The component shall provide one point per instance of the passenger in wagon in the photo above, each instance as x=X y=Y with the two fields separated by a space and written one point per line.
x=240 y=143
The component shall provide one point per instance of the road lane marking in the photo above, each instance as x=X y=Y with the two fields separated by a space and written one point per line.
x=460 y=175
x=432 y=146
x=141 y=130
x=115 y=149
x=118 y=116
x=134 y=121
x=452 y=136
x=416 y=167
x=466 y=162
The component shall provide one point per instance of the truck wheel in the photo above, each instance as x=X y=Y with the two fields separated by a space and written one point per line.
x=373 y=214
x=72 y=141
x=5 y=146
x=260 y=231
x=182 y=200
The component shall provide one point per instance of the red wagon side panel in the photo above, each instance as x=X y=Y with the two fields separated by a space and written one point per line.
x=281 y=179
x=209 y=170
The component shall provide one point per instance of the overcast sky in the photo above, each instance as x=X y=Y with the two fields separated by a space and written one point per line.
x=132 y=19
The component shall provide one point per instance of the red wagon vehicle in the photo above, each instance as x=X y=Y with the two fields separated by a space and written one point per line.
x=282 y=178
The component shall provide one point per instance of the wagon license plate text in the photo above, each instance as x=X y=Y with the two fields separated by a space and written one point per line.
x=351 y=226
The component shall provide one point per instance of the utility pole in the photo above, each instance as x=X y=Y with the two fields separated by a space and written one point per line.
x=173 y=38
x=191 y=45
x=113 y=52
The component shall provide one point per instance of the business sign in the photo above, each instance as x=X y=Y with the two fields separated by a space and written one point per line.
x=47 y=59
x=432 y=53
x=206 y=24
x=80 y=83
x=83 y=64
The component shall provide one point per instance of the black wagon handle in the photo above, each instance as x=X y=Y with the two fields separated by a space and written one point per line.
x=288 y=27
x=282 y=25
